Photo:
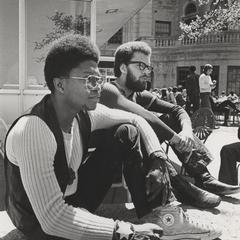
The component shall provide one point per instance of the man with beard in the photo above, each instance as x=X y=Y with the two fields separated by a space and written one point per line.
x=132 y=69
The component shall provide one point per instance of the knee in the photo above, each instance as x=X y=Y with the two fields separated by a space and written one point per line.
x=225 y=149
x=127 y=134
x=225 y=152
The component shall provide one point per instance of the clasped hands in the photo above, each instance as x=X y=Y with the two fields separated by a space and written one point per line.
x=157 y=179
x=183 y=141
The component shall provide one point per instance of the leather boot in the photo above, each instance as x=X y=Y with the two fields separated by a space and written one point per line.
x=207 y=182
x=188 y=193
x=196 y=168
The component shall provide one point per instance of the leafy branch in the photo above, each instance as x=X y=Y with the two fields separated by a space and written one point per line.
x=63 y=24
x=224 y=15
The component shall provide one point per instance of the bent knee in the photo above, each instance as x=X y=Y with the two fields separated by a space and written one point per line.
x=127 y=134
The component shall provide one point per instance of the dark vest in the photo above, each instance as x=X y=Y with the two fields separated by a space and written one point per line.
x=17 y=203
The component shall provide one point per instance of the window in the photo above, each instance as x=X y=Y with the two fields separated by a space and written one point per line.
x=9 y=58
x=106 y=65
x=233 y=79
x=23 y=23
x=117 y=37
x=162 y=28
x=42 y=18
x=182 y=73
x=190 y=13
x=190 y=9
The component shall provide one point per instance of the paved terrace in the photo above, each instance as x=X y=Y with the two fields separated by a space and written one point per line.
x=226 y=215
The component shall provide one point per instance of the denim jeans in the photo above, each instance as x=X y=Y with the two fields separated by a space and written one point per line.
x=201 y=157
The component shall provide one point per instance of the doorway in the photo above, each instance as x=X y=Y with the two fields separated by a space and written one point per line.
x=182 y=73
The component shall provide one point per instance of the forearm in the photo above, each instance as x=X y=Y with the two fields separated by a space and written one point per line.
x=112 y=98
x=176 y=112
x=104 y=117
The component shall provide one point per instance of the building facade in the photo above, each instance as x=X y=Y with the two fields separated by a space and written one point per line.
x=158 y=24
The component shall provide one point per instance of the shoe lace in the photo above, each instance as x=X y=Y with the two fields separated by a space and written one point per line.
x=192 y=221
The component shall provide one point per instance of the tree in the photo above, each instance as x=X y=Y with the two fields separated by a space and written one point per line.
x=223 y=15
x=63 y=24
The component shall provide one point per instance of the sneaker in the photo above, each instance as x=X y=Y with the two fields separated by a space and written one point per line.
x=177 y=225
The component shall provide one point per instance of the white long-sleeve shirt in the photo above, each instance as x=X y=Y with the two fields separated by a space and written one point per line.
x=32 y=146
x=205 y=83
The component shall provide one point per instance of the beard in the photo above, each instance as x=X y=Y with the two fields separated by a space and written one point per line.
x=134 y=84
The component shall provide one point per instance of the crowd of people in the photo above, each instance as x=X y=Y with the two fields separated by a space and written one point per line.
x=200 y=94
x=54 y=185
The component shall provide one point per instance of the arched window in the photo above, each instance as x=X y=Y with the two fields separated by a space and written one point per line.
x=190 y=13
x=190 y=9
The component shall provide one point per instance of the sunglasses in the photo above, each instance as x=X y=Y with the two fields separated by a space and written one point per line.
x=142 y=66
x=92 y=81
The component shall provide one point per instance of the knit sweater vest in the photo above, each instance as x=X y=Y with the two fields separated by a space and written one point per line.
x=17 y=203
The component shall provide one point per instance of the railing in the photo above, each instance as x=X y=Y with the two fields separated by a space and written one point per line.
x=220 y=38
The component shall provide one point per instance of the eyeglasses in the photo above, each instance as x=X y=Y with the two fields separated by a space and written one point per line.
x=92 y=81
x=142 y=66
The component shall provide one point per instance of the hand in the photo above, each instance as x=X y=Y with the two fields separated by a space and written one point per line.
x=157 y=179
x=186 y=143
x=147 y=231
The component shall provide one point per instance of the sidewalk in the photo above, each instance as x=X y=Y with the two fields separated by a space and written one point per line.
x=226 y=216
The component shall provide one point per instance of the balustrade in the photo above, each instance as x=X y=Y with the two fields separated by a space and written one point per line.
x=220 y=38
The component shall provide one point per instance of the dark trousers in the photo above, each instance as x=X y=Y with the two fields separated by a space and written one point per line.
x=196 y=166
x=193 y=100
x=115 y=148
x=205 y=101
x=230 y=155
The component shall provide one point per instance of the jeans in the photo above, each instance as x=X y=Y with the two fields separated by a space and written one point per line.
x=230 y=155
x=201 y=157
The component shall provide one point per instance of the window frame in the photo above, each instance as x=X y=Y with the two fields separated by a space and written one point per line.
x=21 y=89
x=163 y=33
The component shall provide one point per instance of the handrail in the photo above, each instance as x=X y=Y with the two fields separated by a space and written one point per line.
x=170 y=42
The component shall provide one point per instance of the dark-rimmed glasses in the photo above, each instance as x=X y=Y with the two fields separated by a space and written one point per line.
x=142 y=66
x=92 y=81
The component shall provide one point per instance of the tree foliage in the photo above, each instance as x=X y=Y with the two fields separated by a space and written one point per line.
x=223 y=15
x=63 y=24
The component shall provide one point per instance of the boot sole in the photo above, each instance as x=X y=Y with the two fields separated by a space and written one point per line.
x=229 y=192
x=207 y=206
x=191 y=236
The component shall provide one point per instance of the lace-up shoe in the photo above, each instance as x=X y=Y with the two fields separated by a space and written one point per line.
x=177 y=225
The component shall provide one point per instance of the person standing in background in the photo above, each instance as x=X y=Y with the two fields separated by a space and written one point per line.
x=206 y=85
x=193 y=93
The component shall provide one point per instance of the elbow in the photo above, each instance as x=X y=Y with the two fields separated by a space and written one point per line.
x=48 y=229
x=178 y=108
